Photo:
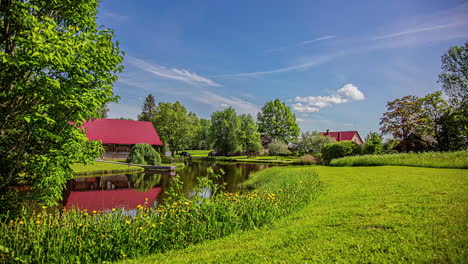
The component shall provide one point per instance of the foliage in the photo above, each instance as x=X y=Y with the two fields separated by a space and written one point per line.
x=103 y=111
x=428 y=159
x=56 y=66
x=433 y=107
x=195 y=130
x=453 y=133
x=366 y=215
x=225 y=131
x=340 y=149
x=249 y=136
x=144 y=154
x=173 y=125
x=144 y=181
x=277 y=121
x=96 y=237
x=373 y=144
x=278 y=147
x=403 y=116
x=148 y=110
x=454 y=76
x=202 y=139
x=312 y=142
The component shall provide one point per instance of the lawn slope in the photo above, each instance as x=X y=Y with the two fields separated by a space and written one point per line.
x=386 y=214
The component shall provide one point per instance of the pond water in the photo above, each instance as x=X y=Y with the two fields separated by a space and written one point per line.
x=127 y=191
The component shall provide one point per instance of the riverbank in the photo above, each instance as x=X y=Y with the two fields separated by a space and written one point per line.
x=387 y=214
x=102 y=168
x=95 y=237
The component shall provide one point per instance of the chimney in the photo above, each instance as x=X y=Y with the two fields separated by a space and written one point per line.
x=328 y=131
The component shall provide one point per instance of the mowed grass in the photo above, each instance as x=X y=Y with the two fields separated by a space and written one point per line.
x=199 y=153
x=387 y=214
x=95 y=168
x=457 y=159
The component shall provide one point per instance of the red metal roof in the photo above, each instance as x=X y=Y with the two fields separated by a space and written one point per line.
x=342 y=135
x=116 y=131
x=106 y=200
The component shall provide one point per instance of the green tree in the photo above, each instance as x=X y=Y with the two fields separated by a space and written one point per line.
x=194 y=130
x=276 y=121
x=453 y=130
x=373 y=144
x=225 y=130
x=277 y=147
x=203 y=137
x=144 y=154
x=403 y=116
x=173 y=125
x=454 y=76
x=103 y=111
x=249 y=136
x=57 y=68
x=340 y=149
x=312 y=142
x=148 y=110
x=433 y=107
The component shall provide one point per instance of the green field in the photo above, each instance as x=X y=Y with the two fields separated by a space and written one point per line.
x=96 y=168
x=457 y=160
x=387 y=214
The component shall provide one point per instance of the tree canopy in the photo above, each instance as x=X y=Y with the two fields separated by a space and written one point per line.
x=148 y=110
x=312 y=142
x=225 y=131
x=249 y=136
x=277 y=121
x=57 y=68
x=454 y=76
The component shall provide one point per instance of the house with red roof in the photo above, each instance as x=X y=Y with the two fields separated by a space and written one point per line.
x=118 y=136
x=344 y=135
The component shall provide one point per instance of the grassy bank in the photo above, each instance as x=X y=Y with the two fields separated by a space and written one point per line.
x=286 y=160
x=100 y=168
x=385 y=214
x=457 y=159
x=94 y=237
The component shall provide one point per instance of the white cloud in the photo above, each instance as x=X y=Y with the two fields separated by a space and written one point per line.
x=302 y=43
x=312 y=104
x=175 y=74
x=223 y=105
x=299 y=120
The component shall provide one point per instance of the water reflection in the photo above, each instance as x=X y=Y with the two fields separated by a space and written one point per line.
x=130 y=190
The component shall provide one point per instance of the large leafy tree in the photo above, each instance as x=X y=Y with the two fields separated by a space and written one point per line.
x=57 y=68
x=454 y=76
x=173 y=125
x=373 y=144
x=433 y=107
x=225 y=130
x=276 y=121
x=148 y=110
x=403 y=116
x=312 y=142
x=249 y=136
x=203 y=139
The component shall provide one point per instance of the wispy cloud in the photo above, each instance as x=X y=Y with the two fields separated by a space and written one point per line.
x=171 y=73
x=302 y=43
x=310 y=63
x=200 y=95
x=312 y=104
x=420 y=29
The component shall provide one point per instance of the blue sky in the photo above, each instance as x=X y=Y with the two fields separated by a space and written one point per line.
x=335 y=63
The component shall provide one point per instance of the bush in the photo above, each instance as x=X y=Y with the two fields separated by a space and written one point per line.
x=339 y=149
x=144 y=154
x=277 y=148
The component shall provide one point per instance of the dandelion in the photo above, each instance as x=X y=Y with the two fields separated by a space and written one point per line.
x=44 y=207
x=153 y=225
x=80 y=225
x=103 y=236
x=187 y=203
x=127 y=222
x=161 y=223
x=94 y=211
x=141 y=228
x=20 y=222
x=38 y=222
x=113 y=209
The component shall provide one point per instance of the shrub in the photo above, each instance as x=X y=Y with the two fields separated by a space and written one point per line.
x=340 y=149
x=144 y=154
x=278 y=147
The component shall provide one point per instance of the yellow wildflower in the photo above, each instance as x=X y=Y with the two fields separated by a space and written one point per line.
x=161 y=223
x=103 y=236
x=20 y=222
x=44 y=207
x=153 y=225
x=113 y=209
x=80 y=225
x=94 y=211
x=141 y=228
x=38 y=222
x=127 y=222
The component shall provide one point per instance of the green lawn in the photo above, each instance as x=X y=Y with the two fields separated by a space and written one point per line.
x=387 y=214
x=102 y=168
x=458 y=160
x=199 y=153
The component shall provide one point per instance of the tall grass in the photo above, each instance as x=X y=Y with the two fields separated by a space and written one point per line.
x=92 y=237
x=457 y=159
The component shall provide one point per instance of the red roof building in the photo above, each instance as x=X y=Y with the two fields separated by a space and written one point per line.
x=344 y=135
x=118 y=136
